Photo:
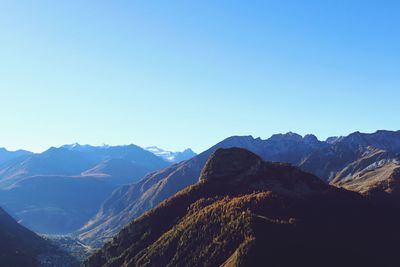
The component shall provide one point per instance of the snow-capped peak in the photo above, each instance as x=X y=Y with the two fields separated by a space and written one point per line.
x=170 y=155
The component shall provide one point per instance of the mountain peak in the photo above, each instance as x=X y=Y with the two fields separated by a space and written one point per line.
x=237 y=139
x=245 y=170
x=188 y=150
x=333 y=139
x=229 y=163
x=171 y=156
x=310 y=138
x=286 y=136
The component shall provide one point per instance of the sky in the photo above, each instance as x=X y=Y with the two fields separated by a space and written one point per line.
x=179 y=74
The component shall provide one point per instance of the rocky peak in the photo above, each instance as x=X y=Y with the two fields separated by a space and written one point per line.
x=310 y=139
x=333 y=139
x=355 y=138
x=237 y=141
x=244 y=169
x=188 y=150
x=286 y=137
x=229 y=164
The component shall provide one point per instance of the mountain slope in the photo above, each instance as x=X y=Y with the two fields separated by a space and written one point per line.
x=247 y=212
x=118 y=170
x=327 y=161
x=385 y=178
x=21 y=247
x=376 y=175
x=6 y=155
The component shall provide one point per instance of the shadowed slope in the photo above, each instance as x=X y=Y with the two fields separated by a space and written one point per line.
x=6 y=155
x=21 y=247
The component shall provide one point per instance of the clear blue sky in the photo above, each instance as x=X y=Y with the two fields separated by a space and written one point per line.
x=182 y=74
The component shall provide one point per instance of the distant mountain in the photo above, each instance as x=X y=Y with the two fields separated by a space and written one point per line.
x=55 y=161
x=6 y=155
x=118 y=170
x=322 y=158
x=73 y=160
x=21 y=247
x=131 y=152
x=248 y=212
x=170 y=156
x=59 y=190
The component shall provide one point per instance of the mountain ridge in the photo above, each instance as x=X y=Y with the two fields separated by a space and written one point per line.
x=307 y=152
x=33 y=187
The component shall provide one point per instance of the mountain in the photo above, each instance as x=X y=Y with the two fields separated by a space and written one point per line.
x=324 y=159
x=6 y=155
x=376 y=175
x=21 y=247
x=59 y=190
x=55 y=161
x=327 y=161
x=129 y=202
x=170 y=156
x=383 y=178
x=118 y=170
x=73 y=160
x=248 y=212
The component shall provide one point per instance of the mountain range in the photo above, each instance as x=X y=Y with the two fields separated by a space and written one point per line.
x=94 y=194
x=325 y=159
x=244 y=211
x=59 y=190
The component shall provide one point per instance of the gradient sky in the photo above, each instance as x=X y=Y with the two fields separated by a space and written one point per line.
x=180 y=74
